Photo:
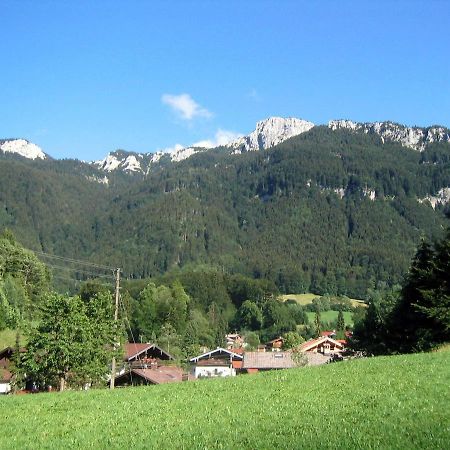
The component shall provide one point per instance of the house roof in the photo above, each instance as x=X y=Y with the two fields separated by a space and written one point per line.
x=273 y=341
x=268 y=360
x=160 y=375
x=328 y=333
x=219 y=351
x=133 y=350
x=308 y=345
x=8 y=351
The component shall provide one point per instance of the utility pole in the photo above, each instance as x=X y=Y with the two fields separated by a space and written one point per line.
x=116 y=316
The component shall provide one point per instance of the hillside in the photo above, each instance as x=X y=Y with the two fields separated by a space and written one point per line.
x=326 y=211
x=387 y=402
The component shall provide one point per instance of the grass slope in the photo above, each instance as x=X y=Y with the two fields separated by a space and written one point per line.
x=306 y=299
x=328 y=316
x=387 y=402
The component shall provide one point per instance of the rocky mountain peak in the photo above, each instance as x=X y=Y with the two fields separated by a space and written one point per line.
x=413 y=137
x=23 y=148
x=271 y=132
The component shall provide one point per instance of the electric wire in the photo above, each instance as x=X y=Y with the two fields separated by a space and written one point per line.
x=77 y=261
x=74 y=269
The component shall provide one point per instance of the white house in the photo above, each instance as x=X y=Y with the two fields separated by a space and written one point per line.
x=216 y=363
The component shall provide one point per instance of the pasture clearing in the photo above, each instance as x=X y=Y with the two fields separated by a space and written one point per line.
x=329 y=316
x=306 y=299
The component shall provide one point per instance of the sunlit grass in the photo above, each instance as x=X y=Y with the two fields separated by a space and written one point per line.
x=387 y=402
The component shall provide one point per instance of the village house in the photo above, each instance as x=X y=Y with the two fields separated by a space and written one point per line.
x=147 y=364
x=6 y=360
x=5 y=374
x=234 y=340
x=324 y=345
x=275 y=345
x=220 y=362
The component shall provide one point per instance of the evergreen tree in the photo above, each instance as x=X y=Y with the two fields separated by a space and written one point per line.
x=317 y=324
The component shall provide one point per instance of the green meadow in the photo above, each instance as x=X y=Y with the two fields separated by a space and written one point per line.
x=306 y=299
x=397 y=402
x=328 y=316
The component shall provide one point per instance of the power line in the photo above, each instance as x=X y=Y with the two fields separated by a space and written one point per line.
x=72 y=260
x=109 y=277
x=74 y=280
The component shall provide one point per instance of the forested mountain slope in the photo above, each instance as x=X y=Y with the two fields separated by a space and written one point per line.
x=328 y=210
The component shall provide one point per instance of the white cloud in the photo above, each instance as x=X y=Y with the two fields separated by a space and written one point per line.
x=174 y=148
x=222 y=137
x=185 y=106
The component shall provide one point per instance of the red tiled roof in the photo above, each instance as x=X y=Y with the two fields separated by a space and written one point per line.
x=238 y=351
x=132 y=349
x=5 y=375
x=160 y=375
x=313 y=342
x=328 y=333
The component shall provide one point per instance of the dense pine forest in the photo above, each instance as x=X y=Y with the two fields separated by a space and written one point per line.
x=327 y=211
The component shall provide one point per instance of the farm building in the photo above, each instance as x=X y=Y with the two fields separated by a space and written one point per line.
x=256 y=361
x=6 y=360
x=147 y=364
x=275 y=345
x=220 y=362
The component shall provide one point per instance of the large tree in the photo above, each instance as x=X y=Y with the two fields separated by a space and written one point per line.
x=73 y=342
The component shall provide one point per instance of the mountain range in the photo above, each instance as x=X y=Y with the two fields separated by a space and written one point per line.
x=332 y=208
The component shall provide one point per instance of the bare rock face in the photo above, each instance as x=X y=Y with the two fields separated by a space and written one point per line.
x=412 y=137
x=270 y=132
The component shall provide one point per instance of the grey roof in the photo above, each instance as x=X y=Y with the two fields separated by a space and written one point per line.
x=268 y=360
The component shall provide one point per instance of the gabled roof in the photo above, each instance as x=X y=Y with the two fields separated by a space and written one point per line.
x=268 y=360
x=273 y=341
x=133 y=350
x=160 y=375
x=8 y=351
x=308 y=345
x=219 y=351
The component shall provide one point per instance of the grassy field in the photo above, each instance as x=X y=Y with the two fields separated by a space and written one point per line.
x=306 y=299
x=388 y=402
x=328 y=316
x=8 y=338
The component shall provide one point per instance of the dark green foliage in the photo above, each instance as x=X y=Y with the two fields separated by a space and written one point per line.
x=275 y=215
x=249 y=316
x=340 y=326
x=417 y=318
x=291 y=340
x=73 y=342
x=24 y=280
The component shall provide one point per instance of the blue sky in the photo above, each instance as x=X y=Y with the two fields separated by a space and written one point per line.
x=82 y=78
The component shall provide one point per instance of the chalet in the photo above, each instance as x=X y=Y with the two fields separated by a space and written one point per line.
x=220 y=362
x=142 y=355
x=331 y=334
x=6 y=358
x=324 y=345
x=234 y=340
x=275 y=345
x=257 y=361
x=147 y=364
